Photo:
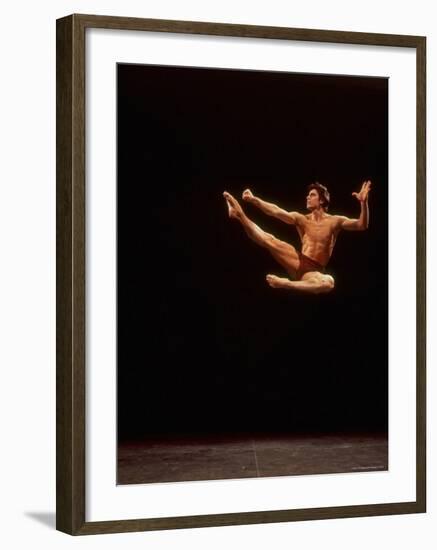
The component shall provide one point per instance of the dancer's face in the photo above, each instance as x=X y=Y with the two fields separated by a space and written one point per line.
x=313 y=200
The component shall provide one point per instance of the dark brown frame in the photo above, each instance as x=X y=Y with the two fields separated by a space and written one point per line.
x=71 y=284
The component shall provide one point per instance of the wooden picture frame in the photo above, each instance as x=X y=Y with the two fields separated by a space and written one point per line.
x=71 y=274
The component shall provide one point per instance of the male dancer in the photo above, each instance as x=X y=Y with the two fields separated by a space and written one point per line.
x=318 y=232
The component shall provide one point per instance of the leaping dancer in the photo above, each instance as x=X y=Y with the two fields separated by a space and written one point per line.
x=318 y=232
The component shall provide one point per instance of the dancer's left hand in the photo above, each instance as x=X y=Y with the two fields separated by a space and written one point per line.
x=363 y=195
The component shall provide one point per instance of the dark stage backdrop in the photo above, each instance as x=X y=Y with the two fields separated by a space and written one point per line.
x=204 y=344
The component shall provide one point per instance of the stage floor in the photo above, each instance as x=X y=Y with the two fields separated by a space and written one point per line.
x=248 y=456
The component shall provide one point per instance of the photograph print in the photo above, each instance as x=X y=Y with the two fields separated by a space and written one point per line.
x=252 y=274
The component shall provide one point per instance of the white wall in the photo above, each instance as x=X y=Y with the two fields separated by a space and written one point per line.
x=27 y=290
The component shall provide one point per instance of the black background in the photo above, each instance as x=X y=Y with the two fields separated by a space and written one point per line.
x=204 y=344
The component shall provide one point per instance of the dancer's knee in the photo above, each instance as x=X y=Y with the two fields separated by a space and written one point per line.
x=327 y=284
x=270 y=241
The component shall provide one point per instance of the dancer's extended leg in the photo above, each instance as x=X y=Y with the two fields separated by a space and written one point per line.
x=284 y=253
x=253 y=231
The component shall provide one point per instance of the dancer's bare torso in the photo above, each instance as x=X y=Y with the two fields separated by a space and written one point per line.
x=318 y=236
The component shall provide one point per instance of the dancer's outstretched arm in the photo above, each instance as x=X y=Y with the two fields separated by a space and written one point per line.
x=362 y=222
x=271 y=209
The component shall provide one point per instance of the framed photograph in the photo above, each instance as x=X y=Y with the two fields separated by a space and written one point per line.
x=240 y=274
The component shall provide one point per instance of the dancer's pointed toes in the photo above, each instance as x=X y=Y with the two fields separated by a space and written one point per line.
x=273 y=281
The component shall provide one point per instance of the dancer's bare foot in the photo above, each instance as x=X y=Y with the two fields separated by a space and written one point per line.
x=234 y=208
x=278 y=282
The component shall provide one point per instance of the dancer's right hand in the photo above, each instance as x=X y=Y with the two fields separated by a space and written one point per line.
x=247 y=195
